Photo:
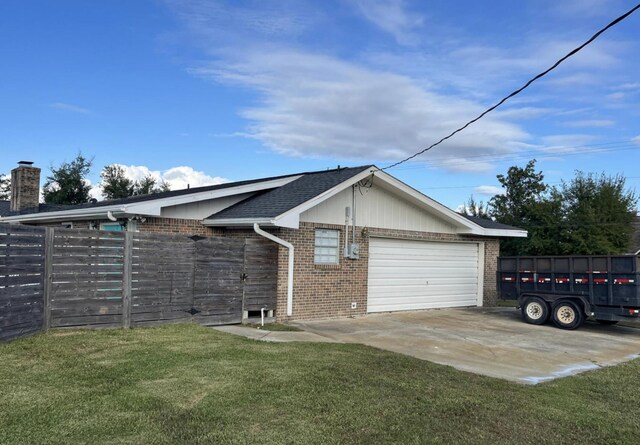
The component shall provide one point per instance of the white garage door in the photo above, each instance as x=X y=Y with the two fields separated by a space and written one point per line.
x=406 y=275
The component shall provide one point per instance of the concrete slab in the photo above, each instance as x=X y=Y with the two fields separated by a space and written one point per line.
x=489 y=341
x=274 y=336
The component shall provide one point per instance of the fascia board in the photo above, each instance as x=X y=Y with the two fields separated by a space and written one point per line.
x=236 y=222
x=287 y=218
x=502 y=233
x=64 y=215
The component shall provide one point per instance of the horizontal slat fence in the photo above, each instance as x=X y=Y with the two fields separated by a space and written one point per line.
x=162 y=278
x=86 y=278
x=21 y=280
x=109 y=279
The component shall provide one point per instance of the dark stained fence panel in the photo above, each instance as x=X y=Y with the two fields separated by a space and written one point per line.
x=109 y=279
x=86 y=278
x=261 y=269
x=161 y=278
x=218 y=287
x=21 y=280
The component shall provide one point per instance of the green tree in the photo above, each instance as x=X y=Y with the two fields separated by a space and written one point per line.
x=521 y=205
x=589 y=215
x=475 y=208
x=148 y=185
x=599 y=213
x=67 y=183
x=5 y=187
x=115 y=184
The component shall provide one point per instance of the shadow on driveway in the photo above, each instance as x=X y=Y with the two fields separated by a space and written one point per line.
x=489 y=341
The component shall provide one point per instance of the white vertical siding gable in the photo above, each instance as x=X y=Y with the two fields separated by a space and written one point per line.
x=377 y=207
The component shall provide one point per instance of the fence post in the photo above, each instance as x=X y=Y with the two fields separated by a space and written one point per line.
x=126 y=280
x=48 y=276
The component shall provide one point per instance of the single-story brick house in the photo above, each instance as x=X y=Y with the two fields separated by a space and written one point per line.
x=352 y=240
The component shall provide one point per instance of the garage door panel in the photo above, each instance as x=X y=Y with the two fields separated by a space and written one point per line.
x=409 y=292
x=434 y=283
x=408 y=275
x=419 y=305
x=424 y=273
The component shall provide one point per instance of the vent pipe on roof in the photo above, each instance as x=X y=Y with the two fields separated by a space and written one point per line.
x=259 y=231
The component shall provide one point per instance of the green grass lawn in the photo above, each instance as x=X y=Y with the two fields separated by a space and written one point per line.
x=193 y=385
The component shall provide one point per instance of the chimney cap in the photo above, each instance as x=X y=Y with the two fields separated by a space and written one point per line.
x=25 y=163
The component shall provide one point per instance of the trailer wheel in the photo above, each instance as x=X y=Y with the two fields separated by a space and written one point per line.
x=607 y=322
x=567 y=315
x=535 y=310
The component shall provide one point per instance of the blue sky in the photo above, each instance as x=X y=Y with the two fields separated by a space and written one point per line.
x=201 y=91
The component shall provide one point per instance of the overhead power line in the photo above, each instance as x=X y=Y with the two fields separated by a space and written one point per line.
x=519 y=90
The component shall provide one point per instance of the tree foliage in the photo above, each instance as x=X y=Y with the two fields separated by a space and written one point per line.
x=476 y=208
x=589 y=215
x=599 y=213
x=68 y=183
x=148 y=185
x=115 y=184
x=5 y=187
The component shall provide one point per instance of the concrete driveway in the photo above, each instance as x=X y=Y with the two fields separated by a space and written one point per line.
x=490 y=341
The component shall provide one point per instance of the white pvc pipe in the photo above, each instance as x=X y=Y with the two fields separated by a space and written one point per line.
x=259 y=231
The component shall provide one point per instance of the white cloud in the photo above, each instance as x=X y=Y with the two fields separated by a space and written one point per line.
x=217 y=24
x=525 y=112
x=636 y=140
x=181 y=177
x=392 y=17
x=69 y=107
x=177 y=177
x=488 y=190
x=590 y=123
x=318 y=106
x=617 y=96
x=632 y=86
x=566 y=143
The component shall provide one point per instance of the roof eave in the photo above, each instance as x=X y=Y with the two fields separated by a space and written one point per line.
x=238 y=222
x=496 y=233
x=67 y=215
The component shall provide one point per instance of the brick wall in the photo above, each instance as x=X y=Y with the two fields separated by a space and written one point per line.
x=177 y=226
x=25 y=188
x=327 y=291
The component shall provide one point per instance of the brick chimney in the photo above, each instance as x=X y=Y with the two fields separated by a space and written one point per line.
x=25 y=187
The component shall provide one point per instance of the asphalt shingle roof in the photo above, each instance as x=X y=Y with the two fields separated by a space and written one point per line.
x=43 y=208
x=272 y=203
x=489 y=224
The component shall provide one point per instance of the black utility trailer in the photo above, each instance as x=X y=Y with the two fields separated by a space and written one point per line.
x=570 y=288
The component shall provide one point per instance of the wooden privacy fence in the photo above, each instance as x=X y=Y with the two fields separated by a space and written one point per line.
x=68 y=277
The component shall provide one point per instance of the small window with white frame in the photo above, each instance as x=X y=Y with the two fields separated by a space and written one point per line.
x=112 y=227
x=327 y=246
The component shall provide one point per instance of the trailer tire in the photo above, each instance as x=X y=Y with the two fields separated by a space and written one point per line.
x=535 y=310
x=566 y=314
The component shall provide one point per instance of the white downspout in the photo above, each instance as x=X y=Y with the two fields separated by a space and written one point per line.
x=259 y=231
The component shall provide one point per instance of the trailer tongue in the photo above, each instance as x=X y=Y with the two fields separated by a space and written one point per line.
x=569 y=289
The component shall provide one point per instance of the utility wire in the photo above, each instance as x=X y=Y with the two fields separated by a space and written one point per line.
x=441 y=162
x=503 y=100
